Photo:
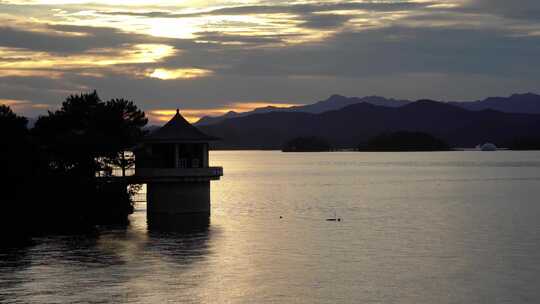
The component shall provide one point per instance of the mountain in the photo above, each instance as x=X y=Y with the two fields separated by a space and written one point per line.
x=528 y=103
x=355 y=124
x=334 y=102
x=517 y=103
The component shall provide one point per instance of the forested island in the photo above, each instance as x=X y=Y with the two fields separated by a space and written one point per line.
x=307 y=144
x=528 y=143
x=404 y=141
x=50 y=171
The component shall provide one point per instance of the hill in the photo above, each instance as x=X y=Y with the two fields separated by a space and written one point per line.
x=354 y=124
x=528 y=103
x=334 y=102
x=404 y=141
x=306 y=144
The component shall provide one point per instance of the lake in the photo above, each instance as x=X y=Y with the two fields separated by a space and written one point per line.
x=445 y=227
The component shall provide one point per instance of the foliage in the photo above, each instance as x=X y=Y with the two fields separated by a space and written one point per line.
x=307 y=144
x=17 y=164
x=404 y=141
x=12 y=126
x=58 y=159
x=525 y=143
x=15 y=145
x=85 y=129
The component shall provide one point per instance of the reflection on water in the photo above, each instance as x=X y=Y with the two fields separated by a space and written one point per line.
x=458 y=227
x=178 y=223
x=117 y=264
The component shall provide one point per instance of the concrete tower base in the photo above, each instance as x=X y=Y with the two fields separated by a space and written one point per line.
x=178 y=205
x=178 y=197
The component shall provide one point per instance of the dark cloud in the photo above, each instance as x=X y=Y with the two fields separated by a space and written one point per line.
x=220 y=37
x=522 y=10
x=322 y=21
x=58 y=39
x=298 y=9
x=389 y=50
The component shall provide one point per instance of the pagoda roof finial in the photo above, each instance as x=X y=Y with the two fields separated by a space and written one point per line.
x=177 y=111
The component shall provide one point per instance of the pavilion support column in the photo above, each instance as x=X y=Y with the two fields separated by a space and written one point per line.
x=205 y=156
x=176 y=156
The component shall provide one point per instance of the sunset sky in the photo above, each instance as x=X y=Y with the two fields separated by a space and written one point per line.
x=208 y=57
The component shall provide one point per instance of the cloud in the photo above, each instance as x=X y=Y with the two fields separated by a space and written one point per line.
x=186 y=73
x=379 y=51
x=22 y=106
x=298 y=53
x=523 y=9
x=66 y=39
x=242 y=39
x=297 y=9
x=325 y=20
x=138 y=53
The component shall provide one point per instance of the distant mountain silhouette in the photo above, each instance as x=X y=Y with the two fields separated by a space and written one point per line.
x=354 y=124
x=209 y=120
x=518 y=103
x=334 y=102
x=404 y=141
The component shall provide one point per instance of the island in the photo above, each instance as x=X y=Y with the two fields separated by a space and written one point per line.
x=525 y=144
x=307 y=144
x=404 y=141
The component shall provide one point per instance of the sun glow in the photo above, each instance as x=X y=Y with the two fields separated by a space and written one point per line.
x=24 y=60
x=167 y=74
x=160 y=116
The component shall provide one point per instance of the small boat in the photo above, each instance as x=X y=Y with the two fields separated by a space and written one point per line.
x=334 y=219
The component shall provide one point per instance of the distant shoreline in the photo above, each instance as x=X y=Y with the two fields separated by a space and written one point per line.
x=357 y=151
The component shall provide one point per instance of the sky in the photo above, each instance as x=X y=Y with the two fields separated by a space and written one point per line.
x=209 y=57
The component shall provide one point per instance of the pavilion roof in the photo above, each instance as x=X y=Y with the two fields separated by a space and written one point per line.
x=178 y=129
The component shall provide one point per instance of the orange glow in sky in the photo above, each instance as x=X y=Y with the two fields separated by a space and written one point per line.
x=161 y=116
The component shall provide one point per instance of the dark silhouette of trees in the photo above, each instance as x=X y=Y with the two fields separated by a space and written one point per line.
x=404 y=141
x=126 y=124
x=85 y=134
x=12 y=125
x=13 y=138
x=16 y=154
x=307 y=144
x=525 y=143
x=52 y=169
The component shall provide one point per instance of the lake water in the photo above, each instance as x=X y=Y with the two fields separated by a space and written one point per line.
x=448 y=227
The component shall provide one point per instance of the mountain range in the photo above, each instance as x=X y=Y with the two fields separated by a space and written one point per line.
x=354 y=124
x=333 y=102
x=528 y=103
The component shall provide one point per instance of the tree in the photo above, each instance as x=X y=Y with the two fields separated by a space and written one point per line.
x=307 y=144
x=13 y=141
x=70 y=136
x=85 y=136
x=17 y=166
x=86 y=129
x=404 y=141
x=11 y=125
x=125 y=123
